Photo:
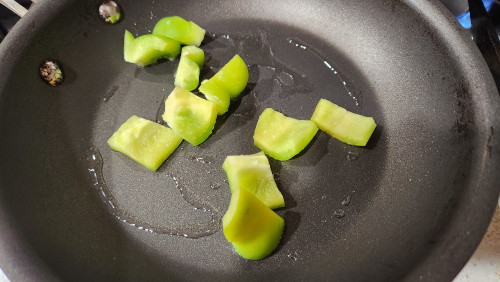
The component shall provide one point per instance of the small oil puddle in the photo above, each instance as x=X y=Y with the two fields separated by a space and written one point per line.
x=354 y=153
x=285 y=78
x=293 y=256
x=299 y=44
x=193 y=230
x=203 y=159
x=110 y=93
x=351 y=156
x=274 y=56
x=347 y=200
x=257 y=50
x=339 y=213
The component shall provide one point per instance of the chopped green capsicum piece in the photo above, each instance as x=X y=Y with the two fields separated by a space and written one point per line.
x=177 y=28
x=253 y=173
x=194 y=53
x=187 y=75
x=149 y=48
x=144 y=141
x=233 y=76
x=348 y=127
x=282 y=137
x=188 y=71
x=217 y=94
x=253 y=228
x=191 y=117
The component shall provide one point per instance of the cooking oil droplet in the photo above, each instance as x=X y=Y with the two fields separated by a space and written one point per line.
x=299 y=44
x=110 y=93
x=294 y=256
x=339 y=213
x=352 y=156
x=110 y=12
x=215 y=186
x=267 y=69
x=285 y=78
x=329 y=66
x=52 y=73
x=203 y=160
x=347 y=200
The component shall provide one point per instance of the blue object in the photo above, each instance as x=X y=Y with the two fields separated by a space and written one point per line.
x=464 y=19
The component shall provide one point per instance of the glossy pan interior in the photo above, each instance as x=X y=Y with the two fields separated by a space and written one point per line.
x=421 y=192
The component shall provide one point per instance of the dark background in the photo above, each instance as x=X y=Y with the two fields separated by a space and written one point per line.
x=8 y=18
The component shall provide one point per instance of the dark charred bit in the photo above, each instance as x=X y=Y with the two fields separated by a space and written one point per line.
x=51 y=72
x=110 y=12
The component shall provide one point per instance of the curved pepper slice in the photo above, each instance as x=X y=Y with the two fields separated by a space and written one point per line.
x=348 y=127
x=233 y=76
x=194 y=53
x=149 y=48
x=187 y=75
x=227 y=83
x=191 y=117
x=253 y=228
x=144 y=141
x=217 y=94
x=177 y=28
x=282 y=137
x=253 y=173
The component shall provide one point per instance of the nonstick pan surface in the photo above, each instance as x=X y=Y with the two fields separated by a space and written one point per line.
x=411 y=205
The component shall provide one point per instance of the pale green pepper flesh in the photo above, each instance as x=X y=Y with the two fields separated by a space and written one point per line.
x=187 y=75
x=282 y=137
x=227 y=83
x=191 y=117
x=233 y=76
x=348 y=127
x=253 y=228
x=194 y=53
x=216 y=93
x=144 y=141
x=188 y=70
x=187 y=33
x=253 y=173
x=149 y=48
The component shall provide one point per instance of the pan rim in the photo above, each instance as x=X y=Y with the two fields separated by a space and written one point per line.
x=432 y=267
x=450 y=255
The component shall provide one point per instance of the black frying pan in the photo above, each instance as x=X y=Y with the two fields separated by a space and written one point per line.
x=421 y=193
